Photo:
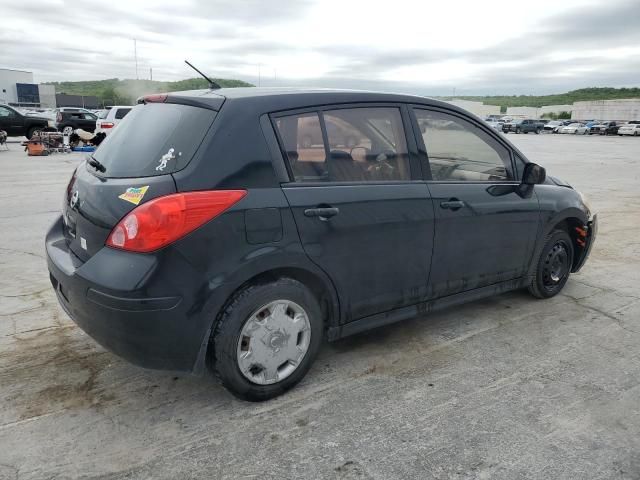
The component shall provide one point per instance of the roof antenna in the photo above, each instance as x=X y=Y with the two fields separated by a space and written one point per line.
x=212 y=85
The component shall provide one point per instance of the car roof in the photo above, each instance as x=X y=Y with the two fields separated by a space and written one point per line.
x=272 y=99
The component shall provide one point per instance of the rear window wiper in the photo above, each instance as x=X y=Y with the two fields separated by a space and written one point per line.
x=97 y=165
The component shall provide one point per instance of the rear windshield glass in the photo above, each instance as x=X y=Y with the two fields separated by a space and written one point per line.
x=154 y=139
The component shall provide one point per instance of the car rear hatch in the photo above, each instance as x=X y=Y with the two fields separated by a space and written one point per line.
x=131 y=166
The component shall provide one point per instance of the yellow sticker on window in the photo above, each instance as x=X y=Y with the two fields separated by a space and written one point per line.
x=134 y=194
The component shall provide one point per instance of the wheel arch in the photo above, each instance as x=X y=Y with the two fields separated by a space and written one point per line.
x=317 y=282
x=567 y=220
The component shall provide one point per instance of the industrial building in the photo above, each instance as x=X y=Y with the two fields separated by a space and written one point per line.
x=538 y=112
x=554 y=109
x=18 y=89
x=619 y=110
x=477 y=108
x=83 y=101
x=522 y=112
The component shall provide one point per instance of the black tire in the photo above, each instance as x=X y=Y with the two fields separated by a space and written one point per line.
x=553 y=267
x=517 y=130
x=32 y=131
x=537 y=131
x=226 y=337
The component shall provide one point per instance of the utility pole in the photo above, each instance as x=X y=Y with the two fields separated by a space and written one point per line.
x=259 y=73
x=151 y=74
x=135 y=54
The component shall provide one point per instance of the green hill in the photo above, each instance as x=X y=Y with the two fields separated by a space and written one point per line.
x=114 y=91
x=583 y=94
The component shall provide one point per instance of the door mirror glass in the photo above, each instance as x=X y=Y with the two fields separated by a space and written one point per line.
x=533 y=174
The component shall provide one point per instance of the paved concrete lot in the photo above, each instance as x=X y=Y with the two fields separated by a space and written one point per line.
x=509 y=387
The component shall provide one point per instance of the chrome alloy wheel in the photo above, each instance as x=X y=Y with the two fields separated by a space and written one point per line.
x=273 y=341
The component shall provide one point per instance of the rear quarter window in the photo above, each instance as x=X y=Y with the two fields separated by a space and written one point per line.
x=121 y=113
x=154 y=139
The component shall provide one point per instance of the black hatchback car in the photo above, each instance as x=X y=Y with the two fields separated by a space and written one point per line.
x=69 y=120
x=209 y=231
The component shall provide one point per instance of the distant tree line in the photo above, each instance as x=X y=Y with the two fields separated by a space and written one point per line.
x=114 y=91
x=583 y=94
x=557 y=116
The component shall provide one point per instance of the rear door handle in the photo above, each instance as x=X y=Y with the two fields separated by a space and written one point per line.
x=452 y=204
x=324 y=213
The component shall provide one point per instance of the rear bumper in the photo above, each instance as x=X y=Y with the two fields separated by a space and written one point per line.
x=129 y=304
x=589 y=240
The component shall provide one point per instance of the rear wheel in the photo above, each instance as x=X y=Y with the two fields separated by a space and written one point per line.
x=67 y=130
x=33 y=131
x=554 y=265
x=266 y=339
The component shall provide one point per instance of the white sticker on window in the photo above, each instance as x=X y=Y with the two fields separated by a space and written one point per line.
x=165 y=158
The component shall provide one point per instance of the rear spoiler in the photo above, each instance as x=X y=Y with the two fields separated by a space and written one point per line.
x=198 y=99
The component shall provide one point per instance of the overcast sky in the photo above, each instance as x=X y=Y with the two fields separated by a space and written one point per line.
x=474 y=47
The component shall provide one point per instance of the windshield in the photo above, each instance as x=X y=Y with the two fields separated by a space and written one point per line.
x=154 y=139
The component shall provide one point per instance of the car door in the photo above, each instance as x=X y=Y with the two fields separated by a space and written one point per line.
x=363 y=212
x=486 y=225
x=11 y=122
x=87 y=121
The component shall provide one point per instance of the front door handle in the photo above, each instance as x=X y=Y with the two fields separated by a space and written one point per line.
x=452 y=204
x=323 y=213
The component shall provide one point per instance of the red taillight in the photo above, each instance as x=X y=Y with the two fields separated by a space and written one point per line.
x=72 y=181
x=156 y=98
x=164 y=220
x=106 y=125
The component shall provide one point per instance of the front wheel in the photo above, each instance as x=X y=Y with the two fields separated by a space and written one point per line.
x=266 y=339
x=554 y=265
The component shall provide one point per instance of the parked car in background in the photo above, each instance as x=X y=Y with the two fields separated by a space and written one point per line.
x=552 y=126
x=244 y=264
x=629 y=129
x=111 y=118
x=604 y=128
x=72 y=109
x=69 y=120
x=575 y=128
x=495 y=124
x=522 y=126
x=17 y=124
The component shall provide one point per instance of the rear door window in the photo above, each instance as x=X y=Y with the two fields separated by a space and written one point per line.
x=364 y=144
x=154 y=139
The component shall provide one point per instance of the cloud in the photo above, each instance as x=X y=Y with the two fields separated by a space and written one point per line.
x=426 y=49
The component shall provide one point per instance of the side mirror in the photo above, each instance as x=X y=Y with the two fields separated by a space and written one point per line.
x=533 y=174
